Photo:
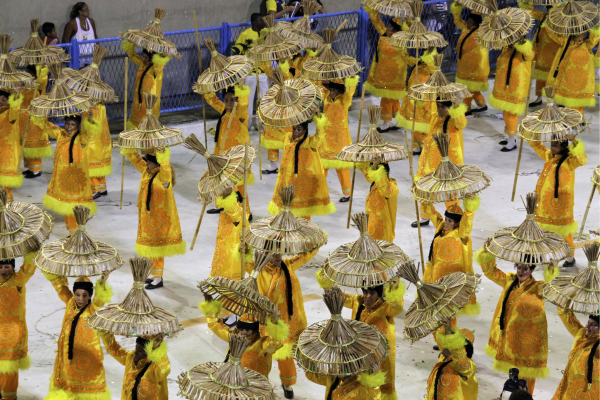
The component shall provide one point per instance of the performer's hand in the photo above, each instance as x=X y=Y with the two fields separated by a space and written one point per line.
x=376 y=162
x=158 y=339
x=208 y=297
x=469 y=196
x=448 y=326
x=90 y=115
x=160 y=149
x=241 y=82
x=487 y=243
x=227 y=192
x=104 y=277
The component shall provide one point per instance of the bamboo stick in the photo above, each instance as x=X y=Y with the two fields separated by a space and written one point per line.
x=198 y=226
x=587 y=209
x=244 y=217
x=521 y=141
x=360 y=113
x=124 y=127
x=201 y=70
x=256 y=109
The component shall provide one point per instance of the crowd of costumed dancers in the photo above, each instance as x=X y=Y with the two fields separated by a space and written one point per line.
x=253 y=297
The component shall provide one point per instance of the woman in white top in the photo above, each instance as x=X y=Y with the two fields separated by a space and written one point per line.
x=81 y=27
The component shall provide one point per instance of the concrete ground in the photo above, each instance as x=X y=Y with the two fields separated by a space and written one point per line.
x=196 y=344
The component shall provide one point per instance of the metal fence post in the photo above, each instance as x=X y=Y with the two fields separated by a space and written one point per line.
x=74 y=54
x=362 y=45
x=225 y=39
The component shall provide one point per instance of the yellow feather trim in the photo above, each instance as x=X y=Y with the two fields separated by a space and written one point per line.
x=385 y=93
x=127 y=46
x=540 y=75
x=351 y=81
x=396 y=295
x=103 y=293
x=284 y=66
x=226 y=202
x=60 y=394
x=63 y=208
x=12 y=366
x=311 y=53
x=490 y=351
x=389 y=396
x=284 y=353
x=242 y=92
x=321 y=121
x=371 y=380
x=11 y=181
x=427 y=58
x=472 y=205
x=484 y=257
x=249 y=181
x=377 y=175
x=128 y=152
x=335 y=164
x=456 y=8
x=38 y=152
x=101 y=171
x=408 y=125
x=209 y=308
x=405 y=26
x=38 y=121
x=597 y=88
x=323 y=281
x=562 y=230
x=474 y=86
x=271 y=144
x=454 y=341
x=573 y=103
x=279 y=331
x=525 y=47
x=92 y=127
x=505 y=105
x=29 y=257
x=524 y=372
x=458 y=110
x=550 y=273
x=130 y=125
x=163 y=157
x=156 y=355
x=50 y=277
x=157 y=59
x=577 y=149
x=470 y=309
x=56 y=393
x=595 y=31
x=274 y=209
x=596 y=61
x=156 y=252
x=15 y=103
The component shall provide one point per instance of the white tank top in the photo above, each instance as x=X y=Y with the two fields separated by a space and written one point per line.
x=85 y=50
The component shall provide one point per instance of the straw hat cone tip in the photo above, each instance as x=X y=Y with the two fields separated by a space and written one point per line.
x=10 y=78
x=301 y=29
x=23 y=227
x=481 y=7
x=89 y=80
x=418 y=36
x=596 y=176
x=437 y=87
x=152 y=37
x=503 y=27
x=35 y=52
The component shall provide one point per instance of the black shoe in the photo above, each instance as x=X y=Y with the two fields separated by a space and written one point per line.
x=469 y=113
x=503 y=142
x=104 y=193
x=250 y=218
x=414 y=224
x=150 y=286
x=436 y=347
x=345 y=199
x=535 y=103
x=214 y=211
x=288 y=394
x=270 y=171
x=394 y=128
x=479 y=109
x=569 y=264
x=30 y=175
x=96 y=196
x=384 y=130
x=417 y=152
x=149 y=280
x=506 y=149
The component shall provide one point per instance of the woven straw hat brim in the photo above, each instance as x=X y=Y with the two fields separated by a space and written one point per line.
x=316 y=69
x=367 y=348
x=198 y=384
x=549 y=246
x=49 y=55
x=211 y=187
x=427 y=92
x=519 y=22
x=417 y=37
x=156 y=44
x=12 y=79
x=26 y=228
x=343 y=270
x=363 y=151
x=580 y=293
x=239 y=297
x=566 y=125
x=393 y=8
x=280 y=51
x=457 y=289
x=431 y=189
x=542 y=2
x=573 y=17
x=150 y=133
x=99 y=91
x=237 y=67
x=53 y=259
x=477 y=6
x=113 y=319
x=308 y=40
x=307 y=100
x=46 y=107
x=596 y=176
x=306 y=237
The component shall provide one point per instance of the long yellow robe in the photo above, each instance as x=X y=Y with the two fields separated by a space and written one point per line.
x=84 y=374
x=153 y=385
x=524 y=342
x=226 y=259
x=381 y=204
x=238 y=131
x=10 y=144
x=574 y=383
x=35 y=142
x=347 y=389
x=272 y=138
x=99 y=147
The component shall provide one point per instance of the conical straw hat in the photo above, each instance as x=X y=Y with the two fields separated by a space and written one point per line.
x=23 y=227
x=150 y=133
x=136 y=315
x=579 y=293
x=338 y=346
x=242 y=297
x=596 y=176
x=62 y=100
x=227 y=380
x=78 y=254
x=449 y=181
x=34 y=51
x=528 y=243
x=417 y=37
x=552 y=123
x=88 y=79
x=224 y=170
x=285 y=233
x=365 y=262
x=327 y=64
x=573 y=17
x=543 y=3
x=503 y=27
x=289 y=103
x=436 y=302
x=10 y=78
x=438 y=86
x=222 y=72
x=373 y=145
x=393 y=8
x=480 y=7
x=152 y=37
x=275 y=47
x=301 y=29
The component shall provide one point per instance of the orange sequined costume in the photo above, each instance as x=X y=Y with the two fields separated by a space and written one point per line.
x=381 y=204
x=10 y=146
x=349 y=388
x=99 y=147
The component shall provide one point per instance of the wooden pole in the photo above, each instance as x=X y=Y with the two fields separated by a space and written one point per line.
x=244 y=217
x=198 y=226
x=360 y=113
x=201 y=70
x=257 y=117
x=124 y=127
x=587 y=209
x=521 y=141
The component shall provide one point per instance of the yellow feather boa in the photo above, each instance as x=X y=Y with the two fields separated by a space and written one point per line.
x=524 y=372
x=160 y=60
x=127 y=46
x=458 y=110
x=11 y=181
x=15 y=103
x=64 y=208
x=385 y=93
x=279 y=331
x=472 y=205
x=335 y=164
x=396 y=295
x=506 y=106
x=226 y=202
x=377 y=175
x=210 y=308
x=470 y=309
x=242 y=92
x=408 y=125
x=12 y=366
x=372 y=380
x=156 y=355
x=573 y=103
x=562 y=230
x=274 y=209
x=525 y=47
x=103 y=293
x=271 y=144
x=484 y=257
x=323 y=281
x=101 y=171
x=451 y=342
x=284 y=353
x=38 y=152
x=156 y=252
x=474 y=86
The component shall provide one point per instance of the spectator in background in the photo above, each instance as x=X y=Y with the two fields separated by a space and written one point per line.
x=50 y=35
x=276 y=7
x=82 y=28
x=298 y=11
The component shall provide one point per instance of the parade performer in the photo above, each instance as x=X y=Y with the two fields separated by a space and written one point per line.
x=337 y=99
x=78 y=367
x=556 y=189
x=520 y=312
x=511 y=87
x=356 y=387
x=99 y=149
x=148 y=79
x=159 y=231
x=70 y=184
x=382 y=201
x=581 y=372
x=10 y=142
x=13 y=349
x=473 y=61
x=301 y=167
x=387 y=76
x=146 y=368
